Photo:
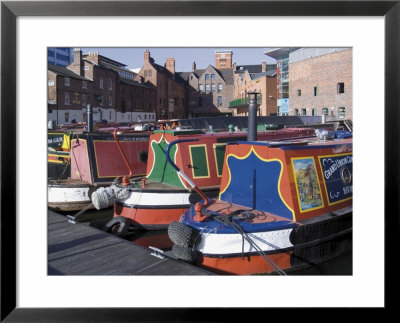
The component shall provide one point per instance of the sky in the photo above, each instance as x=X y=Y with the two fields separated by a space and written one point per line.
x=184 y=56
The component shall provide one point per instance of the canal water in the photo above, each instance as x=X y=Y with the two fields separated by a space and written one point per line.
x=342 y=265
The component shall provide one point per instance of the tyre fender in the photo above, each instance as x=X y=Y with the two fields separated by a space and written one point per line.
x=118 y=226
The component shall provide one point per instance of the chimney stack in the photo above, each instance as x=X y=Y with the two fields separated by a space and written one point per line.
x=193 y=66
x=77 y=65
x=263 y=67
x=146 y=55
x=252 y=116
x=170 y=65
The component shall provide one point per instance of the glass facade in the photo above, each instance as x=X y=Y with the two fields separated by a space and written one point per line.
x=59 y=56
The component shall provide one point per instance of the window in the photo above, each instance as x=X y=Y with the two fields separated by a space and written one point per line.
x=212 y=87
x=150 y=73
x=110 y=84
x=100 y=97
x=110 y=101
x=198 y=156
x=213 y=76
x=50 y=83
x=101 y=83
x=84 y=100
x=315 y=90
x=341 y=113
x=67 y=81
x=219 y=101
x=201 y=88
x=66 y=99
x=303 y=112
x=123 y=106
x=86 y=68
x=298 y=92
x=84 y=84
x=325 y=111
x=296 y=112
x=207 y=88
x=313 y=112
x=340 y=88
x=207 y=77
x=219 y=87
x=145 y=73
x=66 y=117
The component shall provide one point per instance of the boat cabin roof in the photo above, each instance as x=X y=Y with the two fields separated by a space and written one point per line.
x=300 y=143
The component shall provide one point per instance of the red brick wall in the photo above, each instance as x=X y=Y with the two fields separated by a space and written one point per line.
x=323 y=72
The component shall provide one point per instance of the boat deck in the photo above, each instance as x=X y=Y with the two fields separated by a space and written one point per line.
x=79 y=249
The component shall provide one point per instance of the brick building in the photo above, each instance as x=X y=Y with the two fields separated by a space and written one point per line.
x=170 y=87
x=87 y=81
x=210 y=90
x=255 y=78
x=321 y=82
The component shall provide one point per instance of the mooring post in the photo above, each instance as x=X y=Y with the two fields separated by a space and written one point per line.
x=252 y=125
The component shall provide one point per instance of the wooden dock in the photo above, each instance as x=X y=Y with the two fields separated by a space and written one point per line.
x=79 y=249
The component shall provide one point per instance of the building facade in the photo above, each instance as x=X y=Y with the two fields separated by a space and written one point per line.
x=86 y=81
x=321 y=82
x=210 y=90
x=255 y=78
x=170 y=87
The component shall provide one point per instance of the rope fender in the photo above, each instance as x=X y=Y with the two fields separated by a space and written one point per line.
x=105 y=197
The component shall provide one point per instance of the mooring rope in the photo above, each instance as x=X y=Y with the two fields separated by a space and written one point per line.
x=87 y=207
x=228 y=220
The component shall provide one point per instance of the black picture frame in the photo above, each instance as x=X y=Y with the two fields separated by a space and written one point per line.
x=10 y=10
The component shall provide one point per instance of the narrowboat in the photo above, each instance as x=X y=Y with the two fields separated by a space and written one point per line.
x=281 y=205
x=161 y=197
x=95 y=161
x=58 y=157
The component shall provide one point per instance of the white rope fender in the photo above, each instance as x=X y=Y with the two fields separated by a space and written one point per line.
x=105 y=197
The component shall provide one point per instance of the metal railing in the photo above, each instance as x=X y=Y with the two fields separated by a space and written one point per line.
x=241 y=102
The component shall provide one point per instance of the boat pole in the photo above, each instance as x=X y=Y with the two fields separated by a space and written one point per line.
x=89 y=118
x=252 y=126
x=125 y=180
x=187 y=179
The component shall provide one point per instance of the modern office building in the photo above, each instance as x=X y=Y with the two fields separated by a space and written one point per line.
x=60 y=56
x=282 y=74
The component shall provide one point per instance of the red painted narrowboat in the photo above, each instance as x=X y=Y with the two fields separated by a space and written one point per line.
x=281 y=205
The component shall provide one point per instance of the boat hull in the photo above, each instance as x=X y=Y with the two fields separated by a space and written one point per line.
x=290 y=261
x=69 y=195
x=310 y=242
x=154 y=209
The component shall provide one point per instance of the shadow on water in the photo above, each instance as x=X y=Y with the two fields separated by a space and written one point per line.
x=341 y=265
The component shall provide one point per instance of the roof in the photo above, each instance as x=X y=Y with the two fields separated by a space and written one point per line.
x=225 y=73
x=254 y=68
x=279 y=52
x=176 y=77
x=258 y=75
x=65 y=72
x=135 y=83
x=106 y=59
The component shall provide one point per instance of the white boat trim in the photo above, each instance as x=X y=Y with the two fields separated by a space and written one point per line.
x=223 y=244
